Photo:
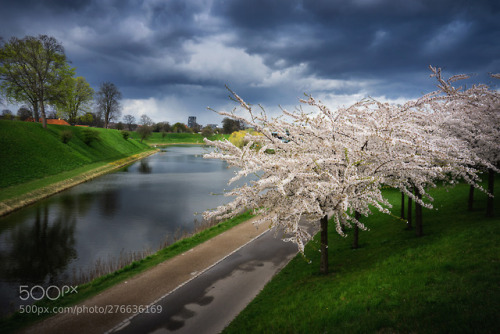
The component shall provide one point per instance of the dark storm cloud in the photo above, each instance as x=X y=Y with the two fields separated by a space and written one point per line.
x=343 y=38
x=270 y=51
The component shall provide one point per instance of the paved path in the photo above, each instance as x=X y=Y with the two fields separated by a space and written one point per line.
x=208 y=303
x=155 y=284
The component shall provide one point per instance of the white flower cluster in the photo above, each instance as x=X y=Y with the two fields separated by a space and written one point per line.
x=336 y=162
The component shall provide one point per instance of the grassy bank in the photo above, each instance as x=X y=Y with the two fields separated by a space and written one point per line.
x=156 y=138
x=29 y=152
x=444 y=282
x=85 y=291
x=36 y=163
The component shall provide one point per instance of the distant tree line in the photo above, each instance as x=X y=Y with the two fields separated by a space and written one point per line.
x=35 y=73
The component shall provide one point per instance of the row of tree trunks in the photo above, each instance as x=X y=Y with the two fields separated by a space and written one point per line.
x=490 y=200
x=418 y=213
x=470 y=203
x=323 y=267
x=491 y=190
x=355 y=242
x=409 y=224
x=402 y=205
x=419 y=231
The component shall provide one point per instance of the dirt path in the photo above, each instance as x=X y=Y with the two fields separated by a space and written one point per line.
x=104 y=311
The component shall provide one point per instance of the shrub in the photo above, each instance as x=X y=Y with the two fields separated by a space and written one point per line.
x=144 y=131
x=89 y=136
x=66 y=136
x=238 y=138
x=125 y=134
x=207 y=131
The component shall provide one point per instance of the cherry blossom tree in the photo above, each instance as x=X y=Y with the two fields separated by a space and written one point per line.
x=472 y=115
x=334 y=163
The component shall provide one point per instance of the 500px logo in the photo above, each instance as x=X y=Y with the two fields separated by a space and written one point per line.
x=38 y=292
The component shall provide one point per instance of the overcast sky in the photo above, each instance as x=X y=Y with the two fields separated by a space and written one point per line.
x=172 y=58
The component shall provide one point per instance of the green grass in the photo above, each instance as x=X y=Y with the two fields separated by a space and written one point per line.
x=85 y=291
x=175 y=138
x=444 y=282
x=26 y=187
x=28 y=152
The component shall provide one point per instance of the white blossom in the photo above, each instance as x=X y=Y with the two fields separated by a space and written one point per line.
x=335 y=162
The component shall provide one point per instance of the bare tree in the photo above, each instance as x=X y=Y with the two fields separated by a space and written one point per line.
x=129 y=120
x=108 y=103
x=146 y=127
x=146 y=120
x=23 y=113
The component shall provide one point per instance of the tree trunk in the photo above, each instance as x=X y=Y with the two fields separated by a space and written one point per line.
x=402 y=205
x=491 y=190
x=409 y=225
x=418 y=215
x=355 y=242
x=324 y=245
x=42 y=112
x=35 y=112
x=471 y=198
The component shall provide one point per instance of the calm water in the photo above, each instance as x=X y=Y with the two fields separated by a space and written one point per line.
x=131 y=210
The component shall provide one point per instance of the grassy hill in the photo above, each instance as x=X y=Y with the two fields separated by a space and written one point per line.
x=444 y=282
x=28 y=152
x=156 y=138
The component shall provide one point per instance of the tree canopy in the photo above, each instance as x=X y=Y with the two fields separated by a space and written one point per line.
x=335 y=162
x=32 y=70
x=75 y=98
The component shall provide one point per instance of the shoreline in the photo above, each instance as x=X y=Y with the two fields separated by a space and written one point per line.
x=173 y=144
x=10 y=205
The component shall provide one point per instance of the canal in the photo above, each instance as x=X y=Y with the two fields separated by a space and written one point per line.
x=136 y=209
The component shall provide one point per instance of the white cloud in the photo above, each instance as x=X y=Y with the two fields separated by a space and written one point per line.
x=297 y=79
x=135 y=28
x=168 y=108
x=213 y=58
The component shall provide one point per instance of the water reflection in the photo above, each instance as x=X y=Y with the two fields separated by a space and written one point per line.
x=144 y=167
x=40 y=252
x=109 y=202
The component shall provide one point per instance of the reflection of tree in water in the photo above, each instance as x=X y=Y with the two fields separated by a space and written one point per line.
x=109 y=203
x=40 y=252
x=144 y=167
x=70 y=204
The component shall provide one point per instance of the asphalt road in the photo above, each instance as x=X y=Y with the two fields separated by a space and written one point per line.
x=210 y=301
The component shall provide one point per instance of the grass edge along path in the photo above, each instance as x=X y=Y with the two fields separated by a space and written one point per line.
x=18 y=321
x=444 y=282
x=56 y=183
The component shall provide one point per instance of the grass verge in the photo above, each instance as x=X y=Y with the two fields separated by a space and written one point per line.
x=18 y=321
x=444 y=282
x=156 y=138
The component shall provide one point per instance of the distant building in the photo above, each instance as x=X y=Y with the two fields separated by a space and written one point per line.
x=192 y=121
x=213 y=126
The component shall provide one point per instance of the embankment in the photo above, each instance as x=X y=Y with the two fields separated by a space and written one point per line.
x=36 y=163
